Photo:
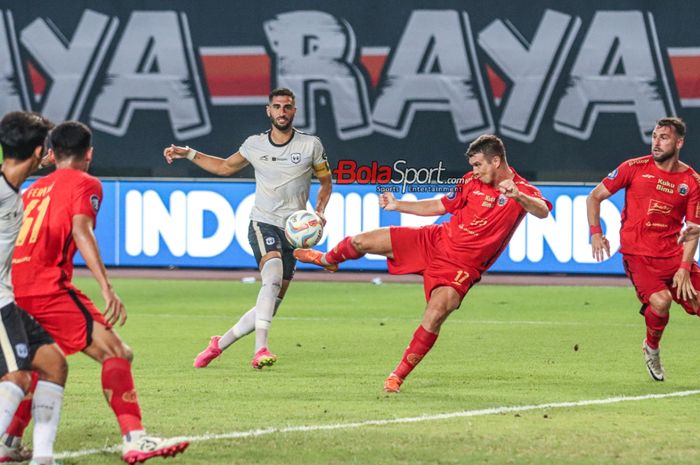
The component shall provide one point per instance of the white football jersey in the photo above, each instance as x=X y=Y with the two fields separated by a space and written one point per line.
x=11 y=213
x=283 y=174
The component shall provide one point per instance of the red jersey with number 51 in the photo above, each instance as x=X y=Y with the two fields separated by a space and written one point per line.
x=656 y=202
x=43 y=259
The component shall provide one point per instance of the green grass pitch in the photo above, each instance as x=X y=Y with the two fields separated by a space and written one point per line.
x=336 y=342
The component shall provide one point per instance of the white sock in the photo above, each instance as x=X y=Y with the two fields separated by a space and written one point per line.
x=245 y=326
x=46 y=410
x=10 y=397
x=271 y=274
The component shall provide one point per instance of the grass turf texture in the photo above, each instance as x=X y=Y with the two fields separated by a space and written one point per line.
x=336 y=342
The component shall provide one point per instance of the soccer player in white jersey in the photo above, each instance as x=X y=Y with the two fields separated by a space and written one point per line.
x=24 y=343
x=284 y=160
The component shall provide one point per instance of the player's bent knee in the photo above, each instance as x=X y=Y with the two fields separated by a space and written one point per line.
x=661 y=301
x=21 y=378
x=51 y=364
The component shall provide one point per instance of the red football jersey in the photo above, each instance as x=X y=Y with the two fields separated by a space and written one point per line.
x=656 y=202
x=483 y=220
x=43 y=259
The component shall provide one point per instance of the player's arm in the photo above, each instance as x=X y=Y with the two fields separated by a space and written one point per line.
x=324 y=195
x=214 y=165
x=86 y=242
x=599 y=243
x=430 y=207
x=530 y=204
x=681 y=280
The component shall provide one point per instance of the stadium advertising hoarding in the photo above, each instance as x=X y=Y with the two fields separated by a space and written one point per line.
x=205 y=224
x=573 y=88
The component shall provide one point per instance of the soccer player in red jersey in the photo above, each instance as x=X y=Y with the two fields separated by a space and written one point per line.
x=486 y=209
x=59 y=216
x=660 y=193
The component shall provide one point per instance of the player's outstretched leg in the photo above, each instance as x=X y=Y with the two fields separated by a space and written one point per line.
x=344 y=250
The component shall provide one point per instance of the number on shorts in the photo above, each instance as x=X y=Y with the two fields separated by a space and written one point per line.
x=461 y=277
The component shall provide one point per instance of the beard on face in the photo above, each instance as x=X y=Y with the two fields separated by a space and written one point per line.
x=281 y=127
x=663 y=156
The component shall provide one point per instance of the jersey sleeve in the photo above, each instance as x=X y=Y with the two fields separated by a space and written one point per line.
x=87 y=198
x=619 y=178
x=528 y=189
x=457 y=198
x=244 y=149
x=320 y=161
x=692 y=213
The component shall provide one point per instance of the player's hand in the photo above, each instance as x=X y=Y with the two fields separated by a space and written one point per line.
x=509 y=189
x=689 y=233
x=387 y=201
x=115 y=312
x=600 y=246
x=175 y=152
x=322 y=218
x=684 y=286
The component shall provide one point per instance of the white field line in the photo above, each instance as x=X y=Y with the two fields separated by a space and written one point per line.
x=395 y=421
x=387 y=319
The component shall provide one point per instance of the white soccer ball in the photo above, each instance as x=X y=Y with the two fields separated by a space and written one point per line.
x=303 y=229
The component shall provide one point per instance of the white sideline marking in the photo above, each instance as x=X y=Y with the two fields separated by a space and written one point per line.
x=361 y=424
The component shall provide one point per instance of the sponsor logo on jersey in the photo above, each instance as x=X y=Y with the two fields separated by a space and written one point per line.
x=296 y=158
x=683 y=189
x=657 y=206
x=648 y=176
x=612 y=174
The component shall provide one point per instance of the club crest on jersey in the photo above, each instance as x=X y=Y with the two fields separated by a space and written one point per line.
x=612 y=174
x=452 y=194
x=95 y=202
x=683 y=189
x=502 y=199
x=296 y=158
x=22 y=350
x=270 y=240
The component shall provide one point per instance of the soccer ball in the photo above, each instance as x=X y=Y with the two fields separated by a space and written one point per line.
x=303 y=229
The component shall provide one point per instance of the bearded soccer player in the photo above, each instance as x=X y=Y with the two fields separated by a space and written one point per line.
x=284 y=160
x=660 y=193
x=60 y=211
x=486 y=209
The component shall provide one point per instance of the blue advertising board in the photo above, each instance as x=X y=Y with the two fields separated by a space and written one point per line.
x=204 y=224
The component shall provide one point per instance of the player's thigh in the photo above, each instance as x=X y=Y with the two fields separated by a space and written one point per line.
x=51 y=364
x=377 y=241
x=269 y=241
x=15 y=353
x=649 y=276
x=106 y=343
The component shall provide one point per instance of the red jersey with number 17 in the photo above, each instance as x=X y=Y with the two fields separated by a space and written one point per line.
x=42 y=263
x=656 y=202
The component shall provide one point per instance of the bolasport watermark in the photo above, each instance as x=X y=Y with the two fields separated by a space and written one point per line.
x=398 y=177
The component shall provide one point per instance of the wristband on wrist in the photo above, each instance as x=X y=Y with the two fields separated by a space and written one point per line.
x=685 y=266
x=595 y=230
x=191 y=153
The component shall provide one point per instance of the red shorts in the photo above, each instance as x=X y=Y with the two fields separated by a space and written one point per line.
x=68 y=316
x=650 y=275
x=422 y=251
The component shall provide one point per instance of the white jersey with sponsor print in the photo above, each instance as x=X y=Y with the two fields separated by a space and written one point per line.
x=283 y=174
x=11 y=214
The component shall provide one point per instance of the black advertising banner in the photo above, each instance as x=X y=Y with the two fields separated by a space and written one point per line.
x=572 y=89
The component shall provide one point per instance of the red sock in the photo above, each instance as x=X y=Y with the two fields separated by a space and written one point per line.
x=655 y=327
x=118 y=386
x=23 y=414
x=420 y=345
x=344 y=250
